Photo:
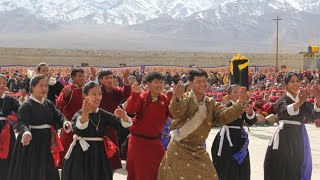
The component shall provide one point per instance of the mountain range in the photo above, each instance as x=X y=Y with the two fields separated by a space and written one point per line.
x=174 y=25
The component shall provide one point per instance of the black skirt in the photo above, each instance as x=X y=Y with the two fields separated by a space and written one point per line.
x=92 y=164
x=34 y=161
x=227 y=167
x=285 y=162
x=5 y=163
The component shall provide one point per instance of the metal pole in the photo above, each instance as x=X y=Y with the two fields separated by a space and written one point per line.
x=277 y=52
x=277 y=47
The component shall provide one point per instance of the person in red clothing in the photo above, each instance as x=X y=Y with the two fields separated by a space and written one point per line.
x=69 y=102
x=145 y=150
x=258 y=105
x=269 y=106
x=111 y=98
x=272 y=114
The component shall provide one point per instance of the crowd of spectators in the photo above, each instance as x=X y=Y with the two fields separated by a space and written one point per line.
x=264 y=88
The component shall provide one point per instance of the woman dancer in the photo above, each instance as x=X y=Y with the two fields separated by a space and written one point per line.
x=8 y=105
x=229 y=150
x=54 y=88
x=288 y=155
x=88 y=155
x=37 y=146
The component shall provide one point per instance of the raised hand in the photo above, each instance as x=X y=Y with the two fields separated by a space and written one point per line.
x=171 y=88
x=93 y=73
x=315 y=91
x=26 y=138
x=243 y=97
x=179 y=90
x=23 y=93
x=120 y=113
x=249 y=109
x=86 y=106
x=135 y=88
x=126 y=74
x=67 y=92
x=303 y=95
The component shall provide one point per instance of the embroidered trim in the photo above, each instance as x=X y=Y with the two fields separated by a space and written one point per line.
x=192 y=123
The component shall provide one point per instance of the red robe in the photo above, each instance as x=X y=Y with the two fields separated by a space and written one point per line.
x=145 y=150
x=110 y=101
x=5 y=141
x=258 y=107
x=68 y=108
x=268 y=108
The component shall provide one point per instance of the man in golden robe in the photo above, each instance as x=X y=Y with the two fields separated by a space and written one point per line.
x=194 y=114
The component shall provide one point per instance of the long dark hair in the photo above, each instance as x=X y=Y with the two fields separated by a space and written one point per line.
x=35 y=80
x=89 y=85
x=288 y=77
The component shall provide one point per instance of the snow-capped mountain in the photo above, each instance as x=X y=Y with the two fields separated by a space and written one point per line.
x=243 y=20
x=218 y=21
x=130 y=12
x=125 y=12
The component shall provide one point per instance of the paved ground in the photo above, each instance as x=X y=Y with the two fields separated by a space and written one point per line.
x=259 y=138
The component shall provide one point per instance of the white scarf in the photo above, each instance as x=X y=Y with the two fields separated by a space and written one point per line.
x=192 y=123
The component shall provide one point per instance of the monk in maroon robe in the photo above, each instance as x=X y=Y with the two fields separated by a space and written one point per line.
x=145 y=150
x=69 y=102
x=111 y=98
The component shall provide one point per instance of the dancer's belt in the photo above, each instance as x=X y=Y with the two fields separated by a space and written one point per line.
x=55 y=143
x=145 y=137
x=3 y=118
x=83 y=143
x=276 y=138
x=44 y=126
x=223 y=131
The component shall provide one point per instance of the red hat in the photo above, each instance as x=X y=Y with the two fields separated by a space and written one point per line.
x=272 y=99
x=258 y=97
x=311 y=100
x=266 y=106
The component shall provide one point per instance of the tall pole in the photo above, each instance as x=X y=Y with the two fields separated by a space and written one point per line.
x=277 y=47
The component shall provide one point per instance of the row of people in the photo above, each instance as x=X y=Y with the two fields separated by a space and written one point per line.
x=69 y=102
x=193 y=116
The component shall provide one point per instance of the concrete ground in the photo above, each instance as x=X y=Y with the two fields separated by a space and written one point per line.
x=259 y=138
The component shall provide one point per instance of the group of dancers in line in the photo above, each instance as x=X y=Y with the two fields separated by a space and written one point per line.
x=89 y=113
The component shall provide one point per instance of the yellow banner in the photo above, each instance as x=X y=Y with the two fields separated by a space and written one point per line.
x=241 y=66
x=244 y=65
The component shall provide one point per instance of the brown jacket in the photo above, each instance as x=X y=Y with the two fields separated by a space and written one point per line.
x=217 y=114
